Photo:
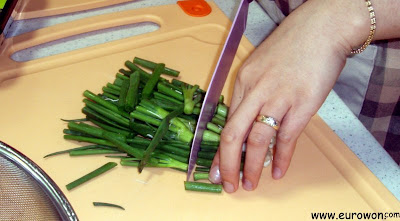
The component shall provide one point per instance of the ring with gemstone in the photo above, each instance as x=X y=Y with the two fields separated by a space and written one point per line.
x=270 y=121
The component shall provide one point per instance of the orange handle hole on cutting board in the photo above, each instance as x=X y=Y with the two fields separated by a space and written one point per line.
x=195 y=8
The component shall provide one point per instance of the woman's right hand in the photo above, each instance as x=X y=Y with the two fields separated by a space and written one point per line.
x=287 y=77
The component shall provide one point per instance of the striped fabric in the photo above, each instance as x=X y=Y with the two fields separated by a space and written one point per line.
x=380 y=111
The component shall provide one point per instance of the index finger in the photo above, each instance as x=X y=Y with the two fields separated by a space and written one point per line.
x=232 y=138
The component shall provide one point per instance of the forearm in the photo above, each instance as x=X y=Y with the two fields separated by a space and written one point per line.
x=387 y=14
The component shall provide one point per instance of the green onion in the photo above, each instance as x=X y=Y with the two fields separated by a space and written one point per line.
x=88 y=139
x=123 y=146
x=152 y=82
x=75 y=133
x=111 y=91
x=200 y=176
x=117 y=156
x=75 y=120
x=92 y=152
x=122 y=77
x=145 y=118
x=151 y=65
x=179 y=83
x=214 y=128
x=190 y=99
x=203 y=162
x=167 y=90
x=72 y=149
x=132 y=93
x=113 y=86
x=91 y=114
x=222 y=110
x=118 y=81
x=144 y=76
x=218 y=121
x=206 y=155
x=158 y=160
x=111 y=128
x=161 y=96
x=107 y=113
x=104 y=103
x=106 y=167
x=149 y=120
x=203 y=187
x=202 y=169
x=108 y=204
x=92 y=130
x=122 y=95
x=165 y=104
x=208 y=135
x=125 y=72
x=161 y=131
x=108 y=96
x=175 y=150
x=143 y=129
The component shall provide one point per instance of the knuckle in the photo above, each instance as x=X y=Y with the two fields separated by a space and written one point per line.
x=257 y=139
x=285 y=138
x=243 y=74
x=229 y=134
x=240 y=80
x=304 y=93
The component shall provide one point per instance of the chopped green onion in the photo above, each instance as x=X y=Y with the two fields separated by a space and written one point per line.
x=106 y=167
x=203 y=187
x=108 y=204
x=200 y=176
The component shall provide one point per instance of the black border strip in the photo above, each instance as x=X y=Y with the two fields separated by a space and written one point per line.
x=6 y=13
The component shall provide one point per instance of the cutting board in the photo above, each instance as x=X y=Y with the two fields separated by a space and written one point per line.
x=324 y=176
x=40 y=8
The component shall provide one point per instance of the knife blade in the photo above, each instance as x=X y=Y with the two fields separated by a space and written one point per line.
x=218 y=79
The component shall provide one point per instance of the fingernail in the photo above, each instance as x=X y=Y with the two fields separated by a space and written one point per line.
x=215 y=176
x=228 y=187
x=276 y=173
x=247 y=185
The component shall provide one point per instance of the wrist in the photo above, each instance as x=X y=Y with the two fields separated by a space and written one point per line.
x=345 y=24
x=331 y=27
x=353 y=23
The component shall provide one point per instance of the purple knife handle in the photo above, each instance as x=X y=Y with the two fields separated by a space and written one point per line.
x=218 y=80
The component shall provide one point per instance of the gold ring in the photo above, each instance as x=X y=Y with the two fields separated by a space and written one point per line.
x=270 y=121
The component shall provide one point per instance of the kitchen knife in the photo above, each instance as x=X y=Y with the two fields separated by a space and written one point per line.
x=218 y=79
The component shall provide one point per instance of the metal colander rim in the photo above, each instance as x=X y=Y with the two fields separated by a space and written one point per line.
x=48 y=186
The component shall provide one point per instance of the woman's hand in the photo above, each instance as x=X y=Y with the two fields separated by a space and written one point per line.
x=287 y=77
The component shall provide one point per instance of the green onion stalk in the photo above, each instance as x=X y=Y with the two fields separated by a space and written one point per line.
x=146 y=120
x=147 y=107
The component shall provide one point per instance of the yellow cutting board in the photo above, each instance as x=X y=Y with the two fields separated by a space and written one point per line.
x=27 y=9
x=325 y=176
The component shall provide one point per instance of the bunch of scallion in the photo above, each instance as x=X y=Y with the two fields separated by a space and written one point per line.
x=143 y=114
